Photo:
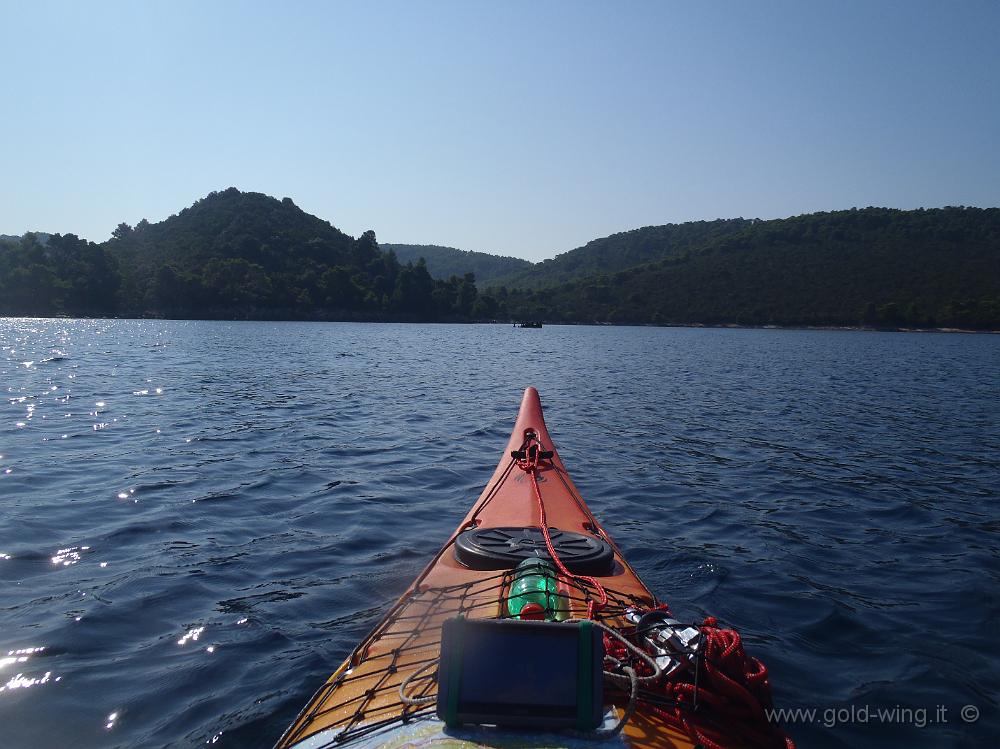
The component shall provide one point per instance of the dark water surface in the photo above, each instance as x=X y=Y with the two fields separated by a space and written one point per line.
x=199 y=520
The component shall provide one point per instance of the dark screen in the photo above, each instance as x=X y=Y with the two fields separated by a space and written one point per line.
x=520 y=666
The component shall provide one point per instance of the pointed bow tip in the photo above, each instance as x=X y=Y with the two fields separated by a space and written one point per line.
x=531 y=403
x=529 y=416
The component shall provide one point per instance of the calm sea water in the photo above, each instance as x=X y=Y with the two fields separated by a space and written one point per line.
x=198 y=520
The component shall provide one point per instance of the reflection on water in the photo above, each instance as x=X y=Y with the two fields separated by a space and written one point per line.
x=191 y=634
x=21 y=680
x=20 y=655
x=70 y=555
x=831 y=494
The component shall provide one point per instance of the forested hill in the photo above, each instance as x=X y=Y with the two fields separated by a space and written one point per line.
x=620 y=251
x=876 y=266
x=232 y=255
x=444 y=262
x=240 y=255
x=229 y=250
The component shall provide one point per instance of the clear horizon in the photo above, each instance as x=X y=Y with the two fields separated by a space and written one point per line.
x=512 y=129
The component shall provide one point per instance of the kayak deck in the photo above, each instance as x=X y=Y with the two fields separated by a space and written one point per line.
x=362 y=696
x=361 y=703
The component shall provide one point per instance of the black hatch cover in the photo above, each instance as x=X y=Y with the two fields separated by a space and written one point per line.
x=504 y=548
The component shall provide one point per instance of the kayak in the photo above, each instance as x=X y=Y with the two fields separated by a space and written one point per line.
x=530 y=628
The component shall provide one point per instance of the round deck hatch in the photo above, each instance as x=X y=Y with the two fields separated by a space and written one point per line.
x=504 y=548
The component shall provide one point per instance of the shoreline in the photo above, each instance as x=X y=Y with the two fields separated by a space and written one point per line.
x=387 y=319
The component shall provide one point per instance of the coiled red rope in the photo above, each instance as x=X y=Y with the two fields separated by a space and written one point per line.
x=733 y=688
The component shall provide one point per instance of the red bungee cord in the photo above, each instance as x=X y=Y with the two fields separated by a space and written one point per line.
x=529 y=464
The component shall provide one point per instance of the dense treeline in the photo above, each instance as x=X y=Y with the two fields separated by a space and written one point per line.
x=879 y=267
x=239 y=255
x=64 y=275
x=230 y=255
x=444 y=262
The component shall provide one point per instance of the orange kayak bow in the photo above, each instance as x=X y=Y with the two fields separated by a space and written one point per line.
x=383 y=694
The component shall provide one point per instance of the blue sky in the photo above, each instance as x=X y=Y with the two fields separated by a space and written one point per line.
x=520 y=128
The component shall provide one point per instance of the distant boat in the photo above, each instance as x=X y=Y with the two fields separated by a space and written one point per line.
x=535 y=324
